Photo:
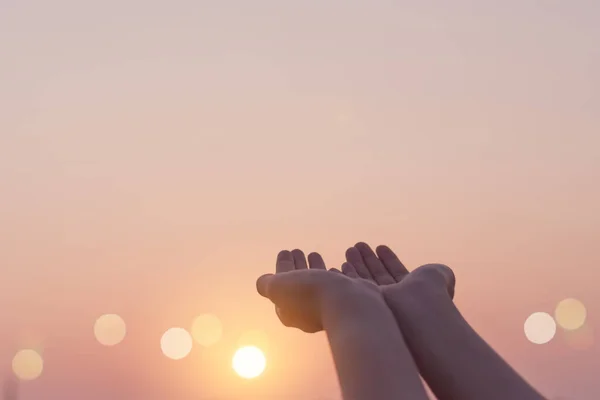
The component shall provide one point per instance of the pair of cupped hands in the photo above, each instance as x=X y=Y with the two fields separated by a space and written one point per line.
x=301 y=286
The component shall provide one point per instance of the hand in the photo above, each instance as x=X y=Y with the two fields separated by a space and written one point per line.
x=384 y=269
x=454 y=360
x=299 y=289
x=371 y=358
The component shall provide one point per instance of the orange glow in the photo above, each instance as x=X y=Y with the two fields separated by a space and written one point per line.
x=249 y=362
x=110 y=330
x=570 y=314
x=207 y=330
x=28 y=365
x=156 y=155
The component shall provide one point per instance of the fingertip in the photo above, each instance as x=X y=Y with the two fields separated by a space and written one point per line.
x=349 y=270
x=285 y=261
x=284 y=255
x=299 y=259
x=262 y=284
x=364 y=249
x=315 y=261
x=382 y=249
x=337 y=271
x=385 y=253
x=351 y=251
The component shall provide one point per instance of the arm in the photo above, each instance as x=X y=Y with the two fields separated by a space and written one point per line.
x=371 y=358
x=454 y=360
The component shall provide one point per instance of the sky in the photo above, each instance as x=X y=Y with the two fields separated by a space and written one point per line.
x=155 y=156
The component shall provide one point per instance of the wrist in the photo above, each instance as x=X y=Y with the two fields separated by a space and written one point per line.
x=350 y=299
x=416 y=297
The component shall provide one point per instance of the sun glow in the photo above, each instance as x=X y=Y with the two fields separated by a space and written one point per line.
x=249 y=362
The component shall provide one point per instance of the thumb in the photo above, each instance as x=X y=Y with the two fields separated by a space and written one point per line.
x=263 y=283
x=437 y=271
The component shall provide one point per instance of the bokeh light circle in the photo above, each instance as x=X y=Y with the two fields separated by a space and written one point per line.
x=110 y=329
x=176 y=343
x=249 y=362
x=540 y=328
x=570 y=314
x=27 y=365
x=207 y=330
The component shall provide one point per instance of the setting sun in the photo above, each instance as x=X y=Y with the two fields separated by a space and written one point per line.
x=249 y=362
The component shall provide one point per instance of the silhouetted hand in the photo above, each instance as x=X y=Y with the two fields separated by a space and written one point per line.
x=370 y=355
x=454 y=360
x=299 y=288
x=384 y=269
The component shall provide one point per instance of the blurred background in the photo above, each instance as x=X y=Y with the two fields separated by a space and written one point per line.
x=155 y=156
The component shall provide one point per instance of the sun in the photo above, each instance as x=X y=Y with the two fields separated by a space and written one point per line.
x=249 y=362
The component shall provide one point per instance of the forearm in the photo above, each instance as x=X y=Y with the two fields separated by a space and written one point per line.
x=371 y=358
x=454 y=360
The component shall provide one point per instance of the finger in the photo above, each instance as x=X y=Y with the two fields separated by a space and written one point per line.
x=285 y=262
x=284 y=288
x=337 y=271
x=349 y=270
x=299 y=259
x=376 y=268
x=315 y=261
x=354 y=257
x=392 y=263
x=263 y=283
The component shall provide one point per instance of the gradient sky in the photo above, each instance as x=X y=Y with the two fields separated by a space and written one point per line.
x=155 y=156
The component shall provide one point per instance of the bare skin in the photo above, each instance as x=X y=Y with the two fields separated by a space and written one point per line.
x=454 y=360
x=371 y=358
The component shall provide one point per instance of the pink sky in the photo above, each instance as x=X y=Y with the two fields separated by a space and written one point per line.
x=155 y=156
